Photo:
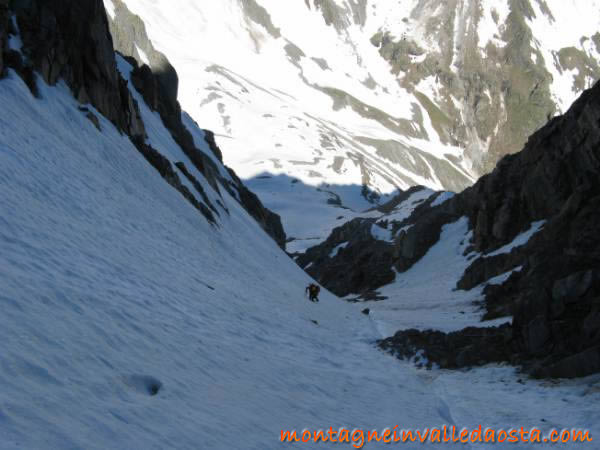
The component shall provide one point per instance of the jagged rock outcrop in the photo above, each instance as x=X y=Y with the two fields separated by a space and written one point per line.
x=469 y=347
x=165 y=103
x=209 y=137
x=90 y=70
x=4 y=26
x=360 y=267
x=130 y=38
x=155 y=78
x=50 y=29
x=165 y=168
x=421 y=231
x=554 y=298
x=366 y=263
x=149 y=85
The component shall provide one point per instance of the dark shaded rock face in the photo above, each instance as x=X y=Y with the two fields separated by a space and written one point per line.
x=163 y=101
x=555 y=297
x=556 y=177
x=209 y=137
x=129 y=34
x=148 y=84
x=469 y=347
x=555 y=174
x=360 y=267
x=165 y=168
x=70 y=40
x=4 y=24
x=425 y=229
x=365 y=263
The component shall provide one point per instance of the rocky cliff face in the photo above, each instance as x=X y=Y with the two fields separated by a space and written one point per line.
x=129 y=36
x=49 y=31
x=554 y=297
x=358 y=268
x=491 y=95
x=47 y=34
x=4 y=27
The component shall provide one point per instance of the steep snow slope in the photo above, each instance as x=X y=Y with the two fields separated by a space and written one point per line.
x=113 y=283
x=346 y=94
x=425 y=296
x=128 y=321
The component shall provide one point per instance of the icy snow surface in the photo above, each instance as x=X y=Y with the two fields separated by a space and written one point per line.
x=424 y=297
x=406 y=208
x=381 y=233
x=519 y=240
x=335 y=251
x=442 y=198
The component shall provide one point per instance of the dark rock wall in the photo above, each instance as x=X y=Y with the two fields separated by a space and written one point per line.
x=555 y=298
x=129 y=33
x=469 y=347
x=69 y=40
x=559 y=165
x=4 y=24
x=366 y=263
x=361 y=267
x=148 y=84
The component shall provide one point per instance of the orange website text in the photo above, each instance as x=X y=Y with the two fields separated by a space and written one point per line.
x=444 y=434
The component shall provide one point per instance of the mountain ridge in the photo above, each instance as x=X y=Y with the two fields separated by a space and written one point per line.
x=367 y=93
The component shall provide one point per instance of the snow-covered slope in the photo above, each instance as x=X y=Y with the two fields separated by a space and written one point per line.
x=113 y=285
x=128 y=321
x=346 y=94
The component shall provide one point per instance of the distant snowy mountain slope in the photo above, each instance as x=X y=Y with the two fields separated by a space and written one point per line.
x=374 y=94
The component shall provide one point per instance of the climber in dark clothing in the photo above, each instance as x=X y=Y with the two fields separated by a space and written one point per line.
x=313 y=291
